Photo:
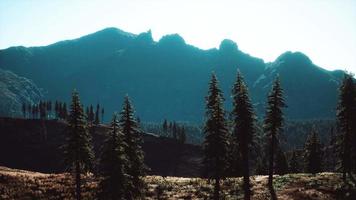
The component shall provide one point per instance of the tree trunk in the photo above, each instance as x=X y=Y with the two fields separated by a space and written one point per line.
x=77 y=181
x=246 y=175
x=217 y=189
x=271 y=159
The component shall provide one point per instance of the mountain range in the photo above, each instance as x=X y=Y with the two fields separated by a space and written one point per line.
x=168 y=78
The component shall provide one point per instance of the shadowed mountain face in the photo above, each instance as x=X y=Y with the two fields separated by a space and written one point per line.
x=15 y=90
x=168 y=78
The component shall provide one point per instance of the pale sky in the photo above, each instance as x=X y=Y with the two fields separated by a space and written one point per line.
x=325 y=30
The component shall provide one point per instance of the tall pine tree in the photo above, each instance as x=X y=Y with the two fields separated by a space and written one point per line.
x=244 y=128
x=216 y=136
x=113 y=165
x=346 y=116
x=78 y=148
x=133 y=150
x=273 y=123
x=313 y=153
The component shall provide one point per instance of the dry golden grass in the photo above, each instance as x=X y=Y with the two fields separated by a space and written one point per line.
x=19 y=184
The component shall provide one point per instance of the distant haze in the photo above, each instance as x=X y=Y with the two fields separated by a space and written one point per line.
x=325 y=30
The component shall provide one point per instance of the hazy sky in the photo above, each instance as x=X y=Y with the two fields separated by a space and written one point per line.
x=325 y=30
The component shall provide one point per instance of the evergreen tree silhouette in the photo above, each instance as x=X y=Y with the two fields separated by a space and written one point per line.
x=346 y=120
x=78 y=152
x=113 y=165
x=165 y=127
x=313 y=154
x=24 y=109
x=244 y=128
x=133 y=150
x=294 y=163
x=216 y=136
x=281 y=162
x=273 y=123
x=102 y=115
x=97 y=119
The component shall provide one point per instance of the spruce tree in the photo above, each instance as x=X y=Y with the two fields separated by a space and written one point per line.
x=313 y=154
x=113 y=165
x=273 y=123
x=78 y=152
x=216 y=136
x=346 y=116
x=133 y=150
x=244 y=128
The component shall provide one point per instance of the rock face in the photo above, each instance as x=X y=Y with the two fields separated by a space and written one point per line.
x=169 y=75
x=15 y=90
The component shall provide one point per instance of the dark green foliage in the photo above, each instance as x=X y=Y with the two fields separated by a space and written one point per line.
x=313 y=154
x=346 y=115
x=165 y=127
x=97 y=118
x=133 y=150
x=330 y=151
x=294 y=163
x=216 y=136
x=102 y=115
x=281 y=164
x=273 y=122
x=24 y=109
x=244 y=128
x=78 y=152
x=113 y=165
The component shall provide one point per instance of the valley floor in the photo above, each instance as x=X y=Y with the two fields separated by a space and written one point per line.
x=20 y=184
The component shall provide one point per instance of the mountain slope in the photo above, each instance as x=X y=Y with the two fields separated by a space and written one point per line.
x=168 y=78
x=15 y=90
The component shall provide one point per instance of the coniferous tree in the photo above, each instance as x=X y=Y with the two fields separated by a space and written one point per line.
x=182 y=135
x=273 y=123
x=313 y=154
x=244 y=128
x=29 y=110
x=216 y=136
x=24 y=109
x=87 y=113
x=330 y=151
x=65 y=111
x=102 y=115
x=174 y=130
x=49 y=108
x=113 y=165
x=134 y=152
x=97 y=120
x=294 y=165
x=78 y=152
x=165 y=127
x=281 y=167
x=56 y=108
x=91 y=114
x=346 y=115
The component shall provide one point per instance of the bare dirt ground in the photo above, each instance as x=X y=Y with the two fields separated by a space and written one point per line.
x=20 y=184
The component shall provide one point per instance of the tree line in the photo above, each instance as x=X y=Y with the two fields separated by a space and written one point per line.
x=45 y=110
x=121 y=165
x=230 y=142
